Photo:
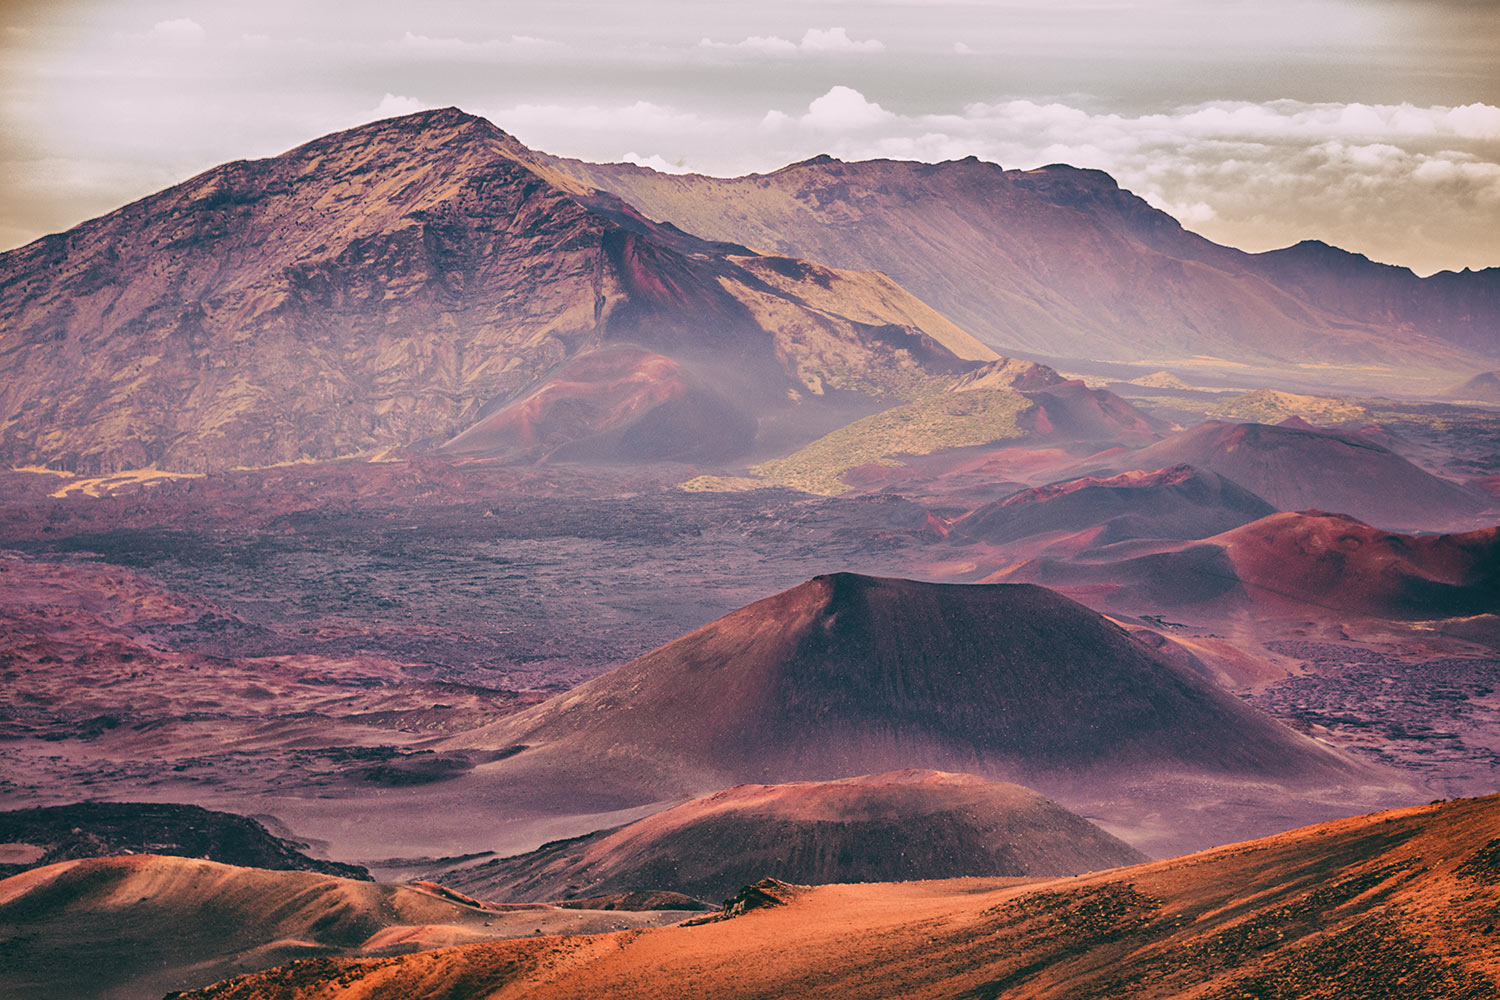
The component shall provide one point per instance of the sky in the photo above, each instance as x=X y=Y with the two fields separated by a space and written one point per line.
x=1370 y=124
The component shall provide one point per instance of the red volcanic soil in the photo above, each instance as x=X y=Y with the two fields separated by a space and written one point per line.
x=622 y=402
x=135 y=927
x=1310 y=563
x=1338 y=562
x=1398 y=904
x=1298 y=469
x=1071 y=411
x=879 y=828
x=852 y=674
x=1179 y=502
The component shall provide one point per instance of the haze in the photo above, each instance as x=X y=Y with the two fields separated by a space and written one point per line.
x=1370 y=125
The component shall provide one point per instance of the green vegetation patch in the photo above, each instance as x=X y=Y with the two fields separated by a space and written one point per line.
x=1269 y=406
x=943 y=420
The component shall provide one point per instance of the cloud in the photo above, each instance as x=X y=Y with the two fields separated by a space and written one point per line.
x=765 y=45
x=844 y=108
x=816 y=41
x=180 y=31
x=1402 y=183
x=427 y=46
x=655 y=162
x=394 y=105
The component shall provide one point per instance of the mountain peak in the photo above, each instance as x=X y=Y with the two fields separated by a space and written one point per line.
x=821 y=160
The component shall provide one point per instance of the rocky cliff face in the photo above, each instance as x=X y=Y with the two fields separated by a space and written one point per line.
x=389 y=286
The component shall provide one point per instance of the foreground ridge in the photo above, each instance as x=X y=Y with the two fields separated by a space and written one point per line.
x=1402 y=900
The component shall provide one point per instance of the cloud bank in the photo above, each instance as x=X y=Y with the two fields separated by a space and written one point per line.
x=816 y=41
x=1389 y=148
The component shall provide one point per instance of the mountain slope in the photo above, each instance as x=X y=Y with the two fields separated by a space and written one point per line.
x=132 y=928
x=1307 y=563
x=1297 y=468
x=101 y=829
x=877 y=828
x=1062 y=263
x=1177 y=502
x=848 y=674
x=393 y=284
x=1484 y=387
x=1391 y=904
x=1004 y=400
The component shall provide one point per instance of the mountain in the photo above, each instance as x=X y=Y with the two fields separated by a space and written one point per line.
x=1271 y=406
x=423 y=280
x=1299 y=468
x=1177 y=502
x=1062 y=263
x=1461 y=307
x=1005 y=402
x=848 y=674
x=1306 y=563
x=100 y=829
x=1484 y=387
x=133 y=928
x=877 y=828
x=1391 y=904
x=1339 y=562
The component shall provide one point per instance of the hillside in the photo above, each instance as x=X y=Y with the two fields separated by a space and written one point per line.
x=1007 y=400
x=1301 y=468
x=1177 y=502
x=878 y=828
x=133 y=928
x=848 y=674
x=1308 y=564
x=102 y=829
x=1391 y=904
x=1484 y=387
x=1269 y=406
x=395 y=285
x=1062 y=263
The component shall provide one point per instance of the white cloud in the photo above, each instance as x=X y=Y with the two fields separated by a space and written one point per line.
x=775 y=120
x=766 y=45
x=844 y=108
x=655 y=162
x=428 y=46
x=815 y=41
x=1402 y=183
x=394 y=105
x=962 y=49
x=181 y=31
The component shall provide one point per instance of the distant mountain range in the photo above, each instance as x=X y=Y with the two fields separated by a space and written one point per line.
x=1063 y=263
x=428 y=282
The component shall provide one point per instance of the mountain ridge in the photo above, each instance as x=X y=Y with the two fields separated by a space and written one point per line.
x=388 y=285
x=1063 y=263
